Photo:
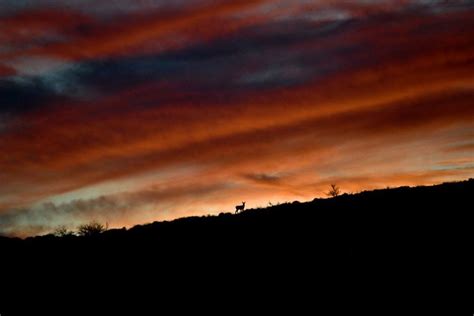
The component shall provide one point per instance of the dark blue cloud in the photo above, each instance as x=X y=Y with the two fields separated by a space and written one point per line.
x=20 y=95
x=255 y=58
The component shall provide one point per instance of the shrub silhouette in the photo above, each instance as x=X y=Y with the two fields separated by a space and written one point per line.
x=93 y=228
x=62 y=231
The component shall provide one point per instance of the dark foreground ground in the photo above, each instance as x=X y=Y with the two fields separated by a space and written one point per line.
x=386 y=247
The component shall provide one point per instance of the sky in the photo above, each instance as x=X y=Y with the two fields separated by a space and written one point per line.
x=132 y=111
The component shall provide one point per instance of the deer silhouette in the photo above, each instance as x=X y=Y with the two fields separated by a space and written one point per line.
x=240 y=208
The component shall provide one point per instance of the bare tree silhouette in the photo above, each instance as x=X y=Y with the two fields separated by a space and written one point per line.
x=334 y=191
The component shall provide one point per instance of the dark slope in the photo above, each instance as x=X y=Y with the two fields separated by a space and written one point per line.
x=369 y=223
x=384 y=239
x=354 y=222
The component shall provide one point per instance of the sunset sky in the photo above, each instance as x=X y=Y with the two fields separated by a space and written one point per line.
x=131 y=111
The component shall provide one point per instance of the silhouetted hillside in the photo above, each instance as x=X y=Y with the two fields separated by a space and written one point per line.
x=379 y=237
